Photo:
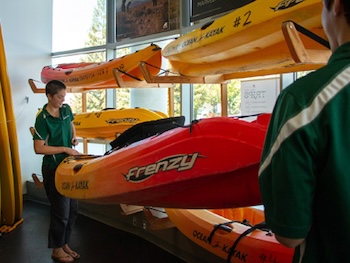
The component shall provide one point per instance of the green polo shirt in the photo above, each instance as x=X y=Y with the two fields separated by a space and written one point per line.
x=304 y=173
x=55 y=132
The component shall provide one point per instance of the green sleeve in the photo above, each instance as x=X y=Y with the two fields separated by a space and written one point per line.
x=287 y=181
x=41 y=130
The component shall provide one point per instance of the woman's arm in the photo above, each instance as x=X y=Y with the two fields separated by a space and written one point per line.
x=41 y=148
x=289 y=242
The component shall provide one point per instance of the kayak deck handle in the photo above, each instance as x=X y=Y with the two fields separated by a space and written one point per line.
x=77 y=167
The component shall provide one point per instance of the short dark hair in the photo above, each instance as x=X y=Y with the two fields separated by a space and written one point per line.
x=54 y=86
x=346 y=5
x=328 y=4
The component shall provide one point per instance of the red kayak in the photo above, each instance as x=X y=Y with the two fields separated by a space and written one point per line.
x=211 y=163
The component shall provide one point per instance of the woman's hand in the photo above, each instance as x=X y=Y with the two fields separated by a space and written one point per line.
x=70 y=151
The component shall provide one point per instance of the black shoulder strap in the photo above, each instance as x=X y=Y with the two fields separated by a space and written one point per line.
x=225 y=227
x=261 y=226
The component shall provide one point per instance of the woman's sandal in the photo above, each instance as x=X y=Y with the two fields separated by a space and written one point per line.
x=73 y=254
x=64 y=259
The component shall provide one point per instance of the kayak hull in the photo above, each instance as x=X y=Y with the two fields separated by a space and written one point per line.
x=110 y=123
x=99 y=74
x=198 y=225
x=210 y=163
x=250 y=39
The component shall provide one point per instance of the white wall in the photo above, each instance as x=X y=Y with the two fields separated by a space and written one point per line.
x=27 y=30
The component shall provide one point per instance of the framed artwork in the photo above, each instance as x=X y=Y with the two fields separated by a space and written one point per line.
x=205 y=8
x=136 y=18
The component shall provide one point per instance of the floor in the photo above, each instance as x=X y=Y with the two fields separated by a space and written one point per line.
x=96 y=242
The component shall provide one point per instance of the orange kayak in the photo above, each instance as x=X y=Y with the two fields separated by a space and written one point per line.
x=211 y=163
x=78 y=74
x=230 y=234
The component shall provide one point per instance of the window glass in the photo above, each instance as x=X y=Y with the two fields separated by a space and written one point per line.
x=123 y=94
x=98 y=148
x=75 y=102
x=177 y=99
x=95 y=99
x=78 y=24
x=206 y=100
x=122 y=98
x=91 y=57
x=234 y=98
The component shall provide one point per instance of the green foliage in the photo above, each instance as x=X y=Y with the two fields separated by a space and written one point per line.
x=177 y=100
x=96 y=99
x=97 y=34
x=122 y=95
x=75 y=101
x=207 y=99
x=234 y=97
x=122 y=98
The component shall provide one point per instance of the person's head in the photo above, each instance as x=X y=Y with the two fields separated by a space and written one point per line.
x=336 y=21
x=346 y=7
x=56 y=92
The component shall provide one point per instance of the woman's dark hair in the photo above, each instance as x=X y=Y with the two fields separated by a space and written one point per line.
x=328 y=4
x=54 y=86
x=346 y=5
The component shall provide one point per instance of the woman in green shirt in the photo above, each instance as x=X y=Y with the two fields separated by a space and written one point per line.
x=54 y=137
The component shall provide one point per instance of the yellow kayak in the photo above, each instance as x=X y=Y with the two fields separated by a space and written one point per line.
x=109 y=123
x=249 y=39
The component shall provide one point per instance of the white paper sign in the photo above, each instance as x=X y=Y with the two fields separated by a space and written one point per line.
x=259 y=96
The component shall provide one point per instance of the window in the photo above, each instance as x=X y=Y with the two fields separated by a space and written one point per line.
x=78 y=24
x=79 y=35
x=95 y=99
x=234 y=98
x=206 y=100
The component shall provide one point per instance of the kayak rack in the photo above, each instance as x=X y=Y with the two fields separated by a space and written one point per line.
x=296 y=47
x=211 y=79
x=304 y=59
x=120 y=83
x=69 y=89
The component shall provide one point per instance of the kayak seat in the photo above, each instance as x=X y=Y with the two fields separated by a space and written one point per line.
x=146 y=129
